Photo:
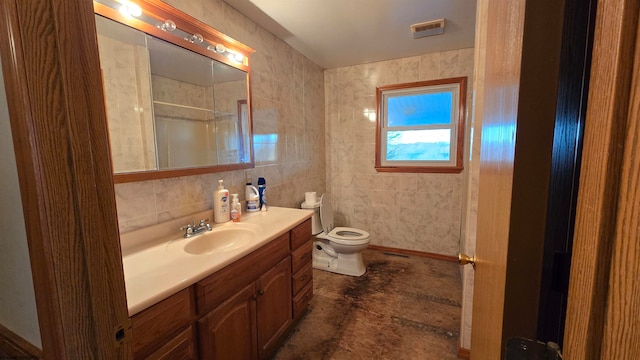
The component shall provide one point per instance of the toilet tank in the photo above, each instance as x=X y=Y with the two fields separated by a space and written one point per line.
x=316 y=226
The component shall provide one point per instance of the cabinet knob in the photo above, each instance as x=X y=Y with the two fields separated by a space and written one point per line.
x=261 y=292
x=255 y=296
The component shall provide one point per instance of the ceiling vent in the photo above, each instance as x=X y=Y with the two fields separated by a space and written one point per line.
x=429 y=28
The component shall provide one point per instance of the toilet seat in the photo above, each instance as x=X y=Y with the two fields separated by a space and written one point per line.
x=340 y=235
x=348 y=236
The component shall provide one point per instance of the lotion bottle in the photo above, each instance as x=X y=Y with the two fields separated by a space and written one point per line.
x=221 y=204
x=236 y=208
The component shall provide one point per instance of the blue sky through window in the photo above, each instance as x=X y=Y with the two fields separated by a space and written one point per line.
x=419 y=109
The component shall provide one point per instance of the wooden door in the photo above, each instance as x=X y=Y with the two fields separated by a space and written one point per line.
x=274 y=306
x=229 y=331
x=505 y=23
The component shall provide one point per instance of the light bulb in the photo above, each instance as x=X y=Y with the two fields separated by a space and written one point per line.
x=195 y=38
x=130 y=9
x=168 y=25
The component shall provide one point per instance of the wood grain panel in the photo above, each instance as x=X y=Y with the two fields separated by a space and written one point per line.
x=54 y=90
x=154 y=326
x=13 y=346
x=229 y=331
x=300 y=234
x=301 y=301
x=622 y=330
x=502 y=76
x=599 y=181
x=274 y=307
x=213 y=290
x=182 y=347
x=301 y=278
x=301 y=256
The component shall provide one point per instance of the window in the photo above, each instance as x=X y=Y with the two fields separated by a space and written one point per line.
x=420 y=126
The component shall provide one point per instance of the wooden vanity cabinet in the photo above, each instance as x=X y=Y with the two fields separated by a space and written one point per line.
x=164 y=331
x=274 y=307
x=255 y=319
x=301 y=268
x=242 y=311
x=229 y=331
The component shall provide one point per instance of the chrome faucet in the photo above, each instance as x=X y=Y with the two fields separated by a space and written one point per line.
x=193 y=229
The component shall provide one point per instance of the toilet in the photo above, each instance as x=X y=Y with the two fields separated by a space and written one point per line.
x=335 y=249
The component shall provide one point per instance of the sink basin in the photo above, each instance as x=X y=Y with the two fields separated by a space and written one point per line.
x=216 y=241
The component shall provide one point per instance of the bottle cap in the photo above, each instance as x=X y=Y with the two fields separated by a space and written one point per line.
x=261 y=181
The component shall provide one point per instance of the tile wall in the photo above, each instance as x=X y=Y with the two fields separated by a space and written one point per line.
x=420 y=212
x=288 y=125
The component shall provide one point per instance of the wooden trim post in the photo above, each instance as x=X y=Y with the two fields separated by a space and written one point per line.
x=56 y=106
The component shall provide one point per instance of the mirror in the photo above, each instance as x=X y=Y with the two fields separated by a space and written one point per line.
x=176 y=94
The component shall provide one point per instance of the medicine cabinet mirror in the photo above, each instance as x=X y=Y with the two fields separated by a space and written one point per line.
x=176 y=92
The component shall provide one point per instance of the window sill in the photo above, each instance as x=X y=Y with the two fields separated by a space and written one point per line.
x=421 y=169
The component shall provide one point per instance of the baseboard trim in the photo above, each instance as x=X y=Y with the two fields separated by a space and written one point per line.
x=464 y=353
x=415 y=253
x=13 y=346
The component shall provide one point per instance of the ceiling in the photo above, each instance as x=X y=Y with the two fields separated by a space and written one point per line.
x=336 y=33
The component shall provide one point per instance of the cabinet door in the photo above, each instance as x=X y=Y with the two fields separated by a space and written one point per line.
x=229 y=331
x=274 y=306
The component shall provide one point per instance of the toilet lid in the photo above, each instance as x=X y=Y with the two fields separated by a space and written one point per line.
x=326 y=213
x=349 y=236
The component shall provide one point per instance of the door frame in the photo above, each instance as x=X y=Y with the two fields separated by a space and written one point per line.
x=58 y=121
x=603 y=230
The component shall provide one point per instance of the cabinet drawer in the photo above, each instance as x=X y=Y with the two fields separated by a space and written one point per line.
x=302 y=278
x=301 y=234
x=180 y=347
x=218 y=287
x=301 y=301
x=301 y=256
x=154 y=326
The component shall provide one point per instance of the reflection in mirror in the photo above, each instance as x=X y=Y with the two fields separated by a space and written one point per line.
x=124 y=60
x=169 y=107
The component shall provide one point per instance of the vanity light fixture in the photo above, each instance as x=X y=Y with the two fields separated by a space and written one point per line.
x=195 y=38
x=167 y=25
x=235 y=56
x=130 y=9
x=221 y=49
x=217 y=48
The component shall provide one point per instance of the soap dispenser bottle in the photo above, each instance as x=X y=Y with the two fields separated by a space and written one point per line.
x=221 y=204
x=236 y=208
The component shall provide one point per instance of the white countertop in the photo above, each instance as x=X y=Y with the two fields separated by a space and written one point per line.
x=153 y=273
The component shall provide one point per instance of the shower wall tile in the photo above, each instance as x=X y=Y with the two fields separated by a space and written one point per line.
x=419 y=212
x=288 y=100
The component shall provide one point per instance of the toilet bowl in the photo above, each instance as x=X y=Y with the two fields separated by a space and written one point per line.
x=336 y=249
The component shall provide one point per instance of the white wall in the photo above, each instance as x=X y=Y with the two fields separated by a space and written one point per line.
x=17 y=299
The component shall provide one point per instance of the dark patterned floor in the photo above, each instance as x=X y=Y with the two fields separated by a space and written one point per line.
x=402 y=308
